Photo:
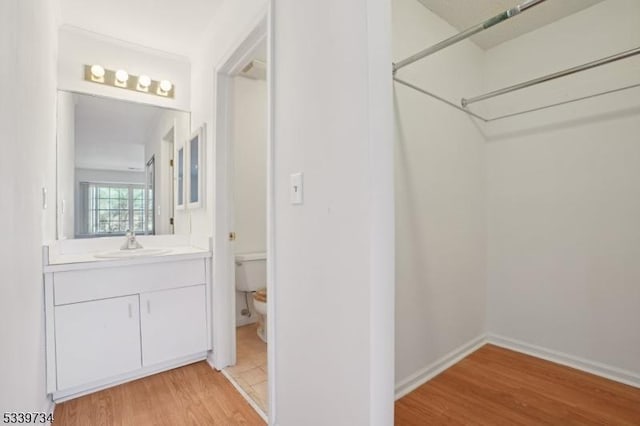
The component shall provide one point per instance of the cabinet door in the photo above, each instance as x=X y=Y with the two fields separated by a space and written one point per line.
x=97 y=340
x=174 y=324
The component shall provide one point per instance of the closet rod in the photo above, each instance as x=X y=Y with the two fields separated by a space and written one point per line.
x=439 y=98
x=501 y=17
x=513 y=114
x=570 y=101
x=569 y=71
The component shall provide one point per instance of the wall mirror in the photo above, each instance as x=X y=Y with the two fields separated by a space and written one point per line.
x=120 y=166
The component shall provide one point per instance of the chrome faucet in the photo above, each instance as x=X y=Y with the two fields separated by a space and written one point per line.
x=131 y=243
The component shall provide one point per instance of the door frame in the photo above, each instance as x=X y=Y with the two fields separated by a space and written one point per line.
x=169 y=177
x=224 y=304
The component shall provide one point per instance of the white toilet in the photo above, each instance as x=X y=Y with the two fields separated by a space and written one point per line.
x=251 y=276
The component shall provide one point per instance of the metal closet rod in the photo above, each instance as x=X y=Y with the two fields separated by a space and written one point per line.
x=573 y=70
x=513 y=114
x=501 y=17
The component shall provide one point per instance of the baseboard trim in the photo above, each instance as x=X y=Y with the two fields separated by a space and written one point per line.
x=246 y=396
x=421 y=377
x=599 y=369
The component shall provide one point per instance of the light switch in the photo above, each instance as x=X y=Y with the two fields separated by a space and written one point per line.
x=296 y=188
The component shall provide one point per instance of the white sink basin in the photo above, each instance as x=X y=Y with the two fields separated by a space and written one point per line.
x=124 y=254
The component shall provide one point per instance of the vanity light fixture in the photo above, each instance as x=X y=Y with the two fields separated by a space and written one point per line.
x=144 y=81
x=97 y=73
x=121 y=78
x=164 y=87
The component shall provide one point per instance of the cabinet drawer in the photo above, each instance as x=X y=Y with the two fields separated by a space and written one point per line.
x=101 y=283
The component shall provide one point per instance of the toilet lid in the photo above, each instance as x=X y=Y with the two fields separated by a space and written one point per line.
x=261 y=295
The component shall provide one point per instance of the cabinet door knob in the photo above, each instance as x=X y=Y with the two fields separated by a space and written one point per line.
x=130 y=311
x=149 y=306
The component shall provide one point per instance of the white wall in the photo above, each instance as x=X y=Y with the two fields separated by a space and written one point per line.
x=564 y=192
x=250 y=164
x=230 y=24
x=27 y=124
x=333 y=257
x=80 y=47
x=440 y=201
x=250 y=174
x=334 y=254
x=66 y=160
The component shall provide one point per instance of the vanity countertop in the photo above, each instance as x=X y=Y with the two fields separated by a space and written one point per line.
x=77 y=261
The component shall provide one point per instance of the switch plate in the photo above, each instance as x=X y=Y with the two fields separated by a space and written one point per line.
x=296 y=189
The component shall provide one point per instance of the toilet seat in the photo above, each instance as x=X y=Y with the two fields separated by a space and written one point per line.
x=260 y=305
x=260 y=295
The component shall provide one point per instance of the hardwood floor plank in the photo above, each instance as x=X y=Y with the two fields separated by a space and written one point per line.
x=496 y=386
x=521 y=395
x=191 y=395
x=598 y=397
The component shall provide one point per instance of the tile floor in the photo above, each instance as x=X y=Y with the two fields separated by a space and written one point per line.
x=250 y=371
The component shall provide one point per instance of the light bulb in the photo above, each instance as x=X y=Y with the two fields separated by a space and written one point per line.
x=144 y=81
x=122 y=76
x=97 y=71
x=166 y=85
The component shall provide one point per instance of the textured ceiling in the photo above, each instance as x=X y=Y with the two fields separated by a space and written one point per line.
x=169 y=25
x=463 y=14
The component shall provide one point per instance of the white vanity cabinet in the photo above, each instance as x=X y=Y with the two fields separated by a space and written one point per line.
x=173 y=324
x=115 y=321
x=96 y=340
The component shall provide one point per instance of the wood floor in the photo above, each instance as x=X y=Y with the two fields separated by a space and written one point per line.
x=492 y=386
x=495 y=386
x=191 y=395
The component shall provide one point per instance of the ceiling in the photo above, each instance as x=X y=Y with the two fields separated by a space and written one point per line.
x=176 y=26
x=463 y=14
x=110 y=134
x=168 y=25
x=107 y=121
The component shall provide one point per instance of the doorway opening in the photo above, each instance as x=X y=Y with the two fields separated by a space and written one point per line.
x=249 y=193
x=243 y=233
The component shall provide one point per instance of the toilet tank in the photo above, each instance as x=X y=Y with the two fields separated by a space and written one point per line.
x=251 y=271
